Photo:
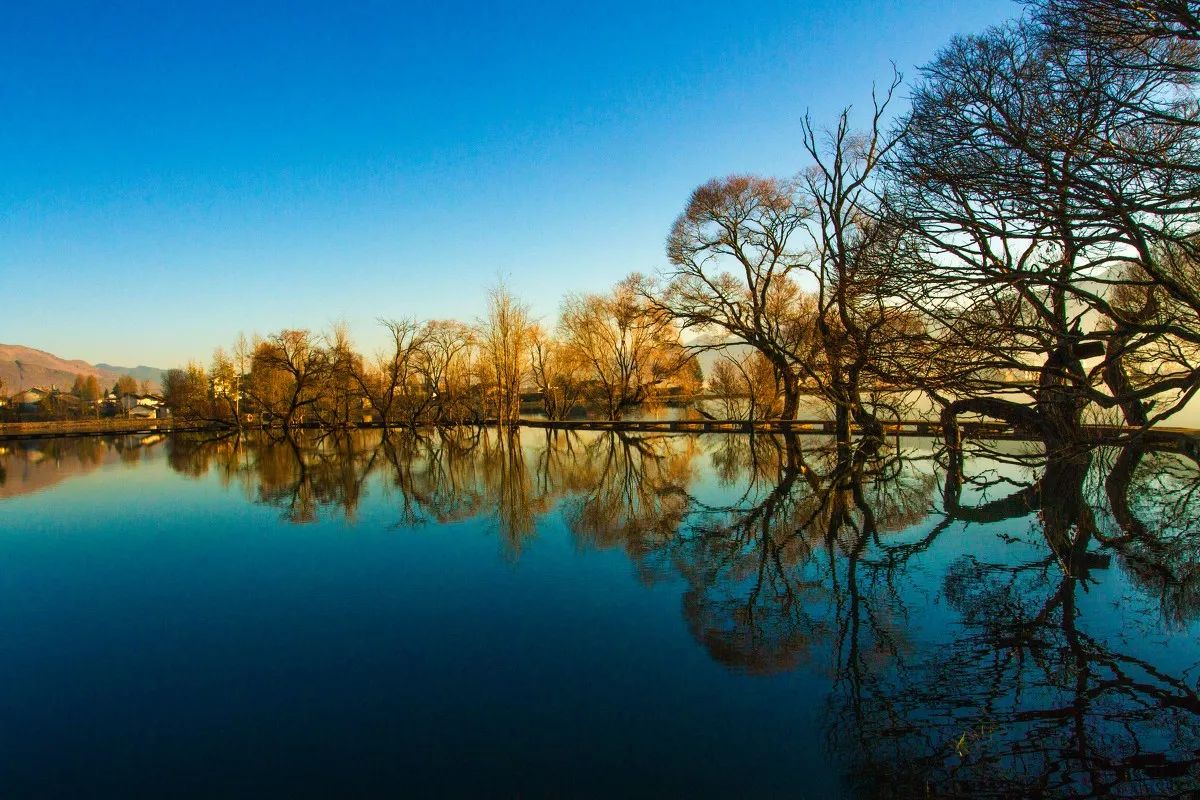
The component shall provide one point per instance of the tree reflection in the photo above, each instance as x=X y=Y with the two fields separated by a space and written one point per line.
x=762 y=573
x=507 y=481
x=632 y=495
x=299 y=472
x=1024 y=698
x=1153 y=499
x=434 y=476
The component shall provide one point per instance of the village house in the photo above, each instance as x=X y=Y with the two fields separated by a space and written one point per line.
x=142 y=406
x=128 y=402
x=29 y=400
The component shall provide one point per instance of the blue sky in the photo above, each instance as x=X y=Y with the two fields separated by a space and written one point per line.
x=172 y=173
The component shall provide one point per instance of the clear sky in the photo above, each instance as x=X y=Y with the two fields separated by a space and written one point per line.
x=174 y=173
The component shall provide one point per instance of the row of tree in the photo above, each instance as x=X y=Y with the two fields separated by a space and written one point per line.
x=88 y=389
x=610 y=352
x=1021 y=244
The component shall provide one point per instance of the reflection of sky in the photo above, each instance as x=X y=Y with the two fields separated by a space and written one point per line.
x=139 y=602
x=180 y=619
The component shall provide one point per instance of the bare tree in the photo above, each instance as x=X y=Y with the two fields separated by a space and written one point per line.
x=558 y=371
x=733 y=275
x=341 y=401
x=1156 y=39
x=504 y=340
x=1141 y=63
x=446 y=365
x=288 y=371
x=632 y=348
x=854 y=248
x=745 y=385
x=392 y=383
x=1011 y=183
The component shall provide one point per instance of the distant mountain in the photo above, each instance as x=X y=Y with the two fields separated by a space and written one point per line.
x=140 y=372
x=25 y=367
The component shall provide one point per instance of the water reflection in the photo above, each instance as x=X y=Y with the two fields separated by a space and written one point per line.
x=28 y=466
x=1030 y=695
x=988 y=624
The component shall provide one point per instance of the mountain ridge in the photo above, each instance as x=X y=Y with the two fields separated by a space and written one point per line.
x=24 y=367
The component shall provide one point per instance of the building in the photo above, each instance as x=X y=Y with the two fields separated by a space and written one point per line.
x=128 y=402
x=30 y=400
x=142 y=412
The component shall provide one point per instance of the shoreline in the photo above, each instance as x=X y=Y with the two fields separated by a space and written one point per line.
x=81 y=427
x=1186 y=439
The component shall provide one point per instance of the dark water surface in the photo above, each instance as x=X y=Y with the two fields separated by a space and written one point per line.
x=589 y=614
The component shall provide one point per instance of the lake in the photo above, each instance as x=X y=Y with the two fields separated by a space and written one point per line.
x=470 y=612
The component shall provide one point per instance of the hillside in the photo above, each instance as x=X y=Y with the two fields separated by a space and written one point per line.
x=24 y=367
x=140 y=373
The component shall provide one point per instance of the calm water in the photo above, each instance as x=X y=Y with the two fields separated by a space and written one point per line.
x=594 y=615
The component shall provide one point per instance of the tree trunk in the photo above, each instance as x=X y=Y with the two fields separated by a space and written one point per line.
x=1059 y=404
x=1066 y=517
x=1022 y=418
x=791 y=394
x=841 y=425
x=871 y=426
x=1119 y=384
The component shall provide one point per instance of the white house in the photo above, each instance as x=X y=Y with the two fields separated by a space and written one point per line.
x=128 y=402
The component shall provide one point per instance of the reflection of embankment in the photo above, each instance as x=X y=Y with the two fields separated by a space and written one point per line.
x=28 y=466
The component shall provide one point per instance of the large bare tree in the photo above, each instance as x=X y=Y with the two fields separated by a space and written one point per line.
x=1011 y=182
x=390 y=382
x=857 y=325
x=735 y=254
x=288 y=372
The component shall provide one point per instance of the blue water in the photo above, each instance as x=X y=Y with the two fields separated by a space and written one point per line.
x=583 y=616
